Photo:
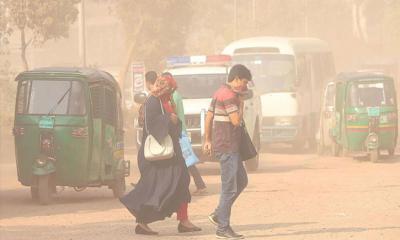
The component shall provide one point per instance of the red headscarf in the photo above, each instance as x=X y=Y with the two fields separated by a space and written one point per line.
x=163 y=89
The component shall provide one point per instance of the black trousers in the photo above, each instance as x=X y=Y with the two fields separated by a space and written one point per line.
x=198 y=180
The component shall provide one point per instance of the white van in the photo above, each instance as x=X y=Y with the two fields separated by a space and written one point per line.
x=290 y=74
x=198 y=77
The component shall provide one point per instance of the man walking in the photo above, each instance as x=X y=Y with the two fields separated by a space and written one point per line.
x=222 y=137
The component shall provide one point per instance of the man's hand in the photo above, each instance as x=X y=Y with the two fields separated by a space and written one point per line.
x=207 y=148
x=174 y=118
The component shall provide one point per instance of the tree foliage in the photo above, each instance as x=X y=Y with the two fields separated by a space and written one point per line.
x=37 y=20
x=5 y=30
x=158 y=27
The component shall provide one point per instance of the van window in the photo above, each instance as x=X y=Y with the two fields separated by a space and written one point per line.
x=303 y=70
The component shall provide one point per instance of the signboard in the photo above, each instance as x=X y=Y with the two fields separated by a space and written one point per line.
x=138 y=71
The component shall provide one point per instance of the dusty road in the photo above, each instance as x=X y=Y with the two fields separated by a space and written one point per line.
x=292 y=196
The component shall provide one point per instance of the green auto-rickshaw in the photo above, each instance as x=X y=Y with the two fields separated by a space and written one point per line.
x=365 y=114
x=68 y=131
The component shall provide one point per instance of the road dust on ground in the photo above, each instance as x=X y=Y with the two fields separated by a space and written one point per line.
x=291 y=196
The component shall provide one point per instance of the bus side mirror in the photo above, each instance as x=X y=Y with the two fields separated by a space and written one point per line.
x=140 y=98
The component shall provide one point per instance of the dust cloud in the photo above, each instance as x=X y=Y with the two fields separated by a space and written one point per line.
x=111 y=35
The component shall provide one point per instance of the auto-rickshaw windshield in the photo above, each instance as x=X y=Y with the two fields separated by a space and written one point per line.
x=54 y=97
x=371 y=94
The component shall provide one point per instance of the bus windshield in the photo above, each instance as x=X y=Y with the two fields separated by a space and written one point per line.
x=371 y=94
x=52 y=97
x=271 y=72
x=196 y=86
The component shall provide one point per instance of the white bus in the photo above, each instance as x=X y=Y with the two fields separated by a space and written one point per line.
x=289 y=74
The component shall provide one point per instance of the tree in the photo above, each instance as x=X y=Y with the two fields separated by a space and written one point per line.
x=39 y=20
x=5 y=30
x=154 y=29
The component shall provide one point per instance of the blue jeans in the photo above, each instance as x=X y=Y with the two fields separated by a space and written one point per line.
x=234 y=180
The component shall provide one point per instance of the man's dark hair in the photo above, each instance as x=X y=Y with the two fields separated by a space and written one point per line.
x=166 y=74
x=151 y=77
x=239 y=71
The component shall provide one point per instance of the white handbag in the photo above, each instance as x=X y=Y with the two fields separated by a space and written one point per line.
x=155 y=151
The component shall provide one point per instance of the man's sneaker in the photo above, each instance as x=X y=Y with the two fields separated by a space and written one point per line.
x=213 y=219
x=228 y=234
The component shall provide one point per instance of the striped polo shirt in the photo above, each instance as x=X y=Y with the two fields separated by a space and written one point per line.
x=225 y=136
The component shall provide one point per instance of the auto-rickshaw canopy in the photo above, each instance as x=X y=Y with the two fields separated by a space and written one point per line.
x=90 y=75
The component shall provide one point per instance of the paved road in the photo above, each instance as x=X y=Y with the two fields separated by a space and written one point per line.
x=292 y=196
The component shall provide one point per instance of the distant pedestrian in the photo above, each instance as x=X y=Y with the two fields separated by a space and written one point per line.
x=222 y=137
x=198 y=180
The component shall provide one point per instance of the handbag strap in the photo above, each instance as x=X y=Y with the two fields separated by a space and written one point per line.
x=145 y=118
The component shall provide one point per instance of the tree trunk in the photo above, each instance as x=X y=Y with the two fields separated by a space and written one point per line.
x=24 y=45
x=359 y=20
x=128 y=60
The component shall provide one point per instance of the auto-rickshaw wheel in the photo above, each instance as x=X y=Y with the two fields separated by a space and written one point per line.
x=34 y=189
x=34 y=193
x=119 y=187
x=374 y=156
x=44 y=189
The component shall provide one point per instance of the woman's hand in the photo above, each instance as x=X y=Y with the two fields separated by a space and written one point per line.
x=207 y=148
x=174 y=118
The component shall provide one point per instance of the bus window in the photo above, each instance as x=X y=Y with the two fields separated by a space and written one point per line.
x=271 y=72
x=303 y=70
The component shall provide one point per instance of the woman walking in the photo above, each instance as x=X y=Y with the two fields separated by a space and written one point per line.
x=163 y=187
